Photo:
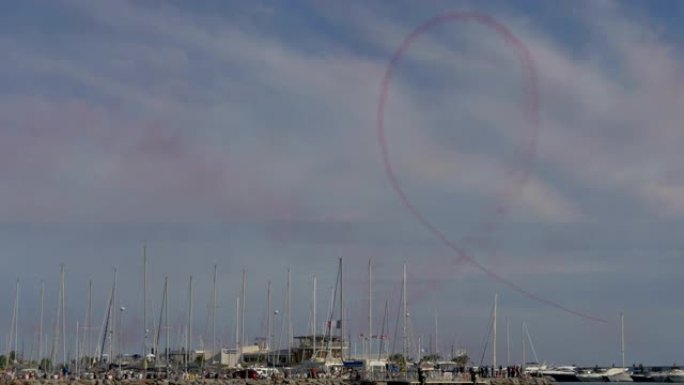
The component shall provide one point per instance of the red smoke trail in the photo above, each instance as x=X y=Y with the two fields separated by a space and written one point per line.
x=526 y=152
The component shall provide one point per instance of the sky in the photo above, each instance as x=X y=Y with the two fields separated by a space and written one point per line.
x=244 y=134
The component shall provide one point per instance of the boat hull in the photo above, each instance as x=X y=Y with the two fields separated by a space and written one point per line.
x=562 y=377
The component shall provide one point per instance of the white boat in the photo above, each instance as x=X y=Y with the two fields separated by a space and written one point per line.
x=561 y=373
x=534 y=368
x=604 y=375
x=618 y=375
x=590 y=375
x=675 y=375
x=671 y=375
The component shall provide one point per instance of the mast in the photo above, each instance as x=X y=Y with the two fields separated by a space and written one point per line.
x=420 y=348
x=64 y=351
x=145 y=330
x=16 y=322
x=289 y=320
x=77 y=350
x=622 y=337
x=106 y=333
x=403 y=290
x=12 y=340
x=112 y=318
x=370 y=306
x=55 y=335
x=242 y=310
x=40 y=326
x=313 y=325
x=89 y=317
x=59 y=316
x=382 y=347
x=268 y=316
x=188 y=333
x=213 y=319
x=436 y=351
x=523 y=345
x=496 y=299
x=157 y=332
x=342 y=323
x=166 y=321
x=237 y=326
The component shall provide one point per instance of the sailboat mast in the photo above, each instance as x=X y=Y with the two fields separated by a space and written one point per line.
x=64 y=351
x=496 y=299
x=55 y=335
x=145 y=330
x=523 y=345
x=622 y=338
x=268 y=316
x=109 y=324
x=188 y=334
x=166 y=321
x=382 y=346
x=77 y=350
x=213 y=318
x=16 y=322
x=342 y=323
x=313 y=324
x=40 y=327
x=89 y=318
x=289 y=320
x=242 y=309
x=237 y=326
x=112 y=320
x=436 y=346
x=12 y=338
x=404 y=318
x=370 y=306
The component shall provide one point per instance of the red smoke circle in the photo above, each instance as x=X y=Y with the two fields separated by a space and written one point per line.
x=525 y=152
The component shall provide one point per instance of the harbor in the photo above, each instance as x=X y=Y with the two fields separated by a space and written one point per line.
x=323 y=357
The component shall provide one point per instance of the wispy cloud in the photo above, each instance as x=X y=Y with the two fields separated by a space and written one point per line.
x=264 y=116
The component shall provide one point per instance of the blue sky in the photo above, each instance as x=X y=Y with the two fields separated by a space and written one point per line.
x=244 y=134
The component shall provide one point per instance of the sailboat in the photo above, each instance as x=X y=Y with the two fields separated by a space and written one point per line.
x=370 y=362
x=321 y=352
x=620 y=374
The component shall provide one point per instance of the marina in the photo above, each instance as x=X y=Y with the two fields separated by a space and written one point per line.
x=321 y=357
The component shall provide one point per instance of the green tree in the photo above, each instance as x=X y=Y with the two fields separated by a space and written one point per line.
x=399 y=360
x=45 y=364
x=461 y=360
x=3 y=361
x=432 y=357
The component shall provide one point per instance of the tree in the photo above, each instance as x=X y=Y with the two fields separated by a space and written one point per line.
x=45 y=364
x=461 y=360
x=399 y=360
x=432 y=357
x=3 y=361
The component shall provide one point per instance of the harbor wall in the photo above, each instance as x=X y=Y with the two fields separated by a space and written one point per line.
x=322 y=381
